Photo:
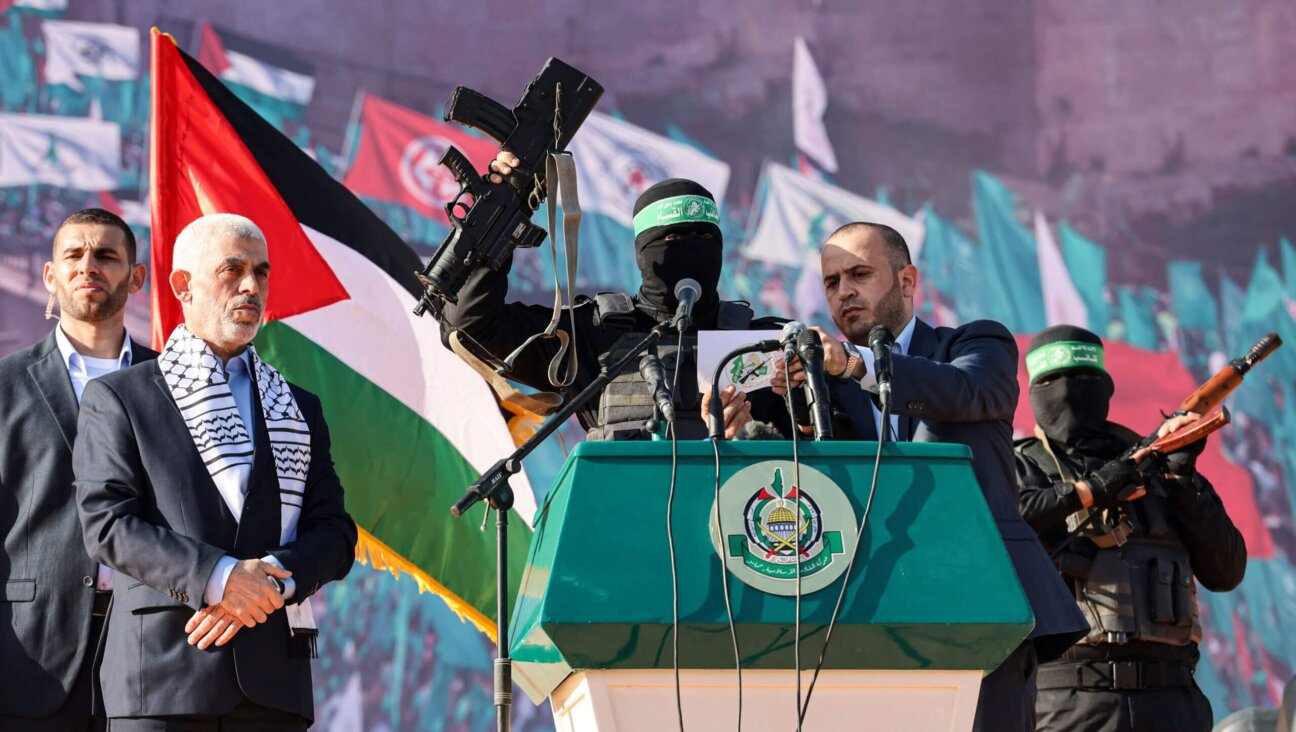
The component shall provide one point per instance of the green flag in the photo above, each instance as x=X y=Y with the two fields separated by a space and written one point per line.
x=949 y=260
x=1288 y=266
x=1194 y=305
x=1137 y=315
x=1086 y=260
x=1009 y=262
x=1232 y=303
x=16 y=67
x=1263 y=312
x=1264 y=292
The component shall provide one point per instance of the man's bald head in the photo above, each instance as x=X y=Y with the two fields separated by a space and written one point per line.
x=897 y=248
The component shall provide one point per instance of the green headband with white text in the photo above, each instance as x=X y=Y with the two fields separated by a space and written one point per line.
x=677 y=210
x=1064 y=355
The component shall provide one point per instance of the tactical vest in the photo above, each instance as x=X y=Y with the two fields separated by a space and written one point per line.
x=626 y=405
x=1132 y=576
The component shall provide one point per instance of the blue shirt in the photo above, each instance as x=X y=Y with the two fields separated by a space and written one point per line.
x=239 y=372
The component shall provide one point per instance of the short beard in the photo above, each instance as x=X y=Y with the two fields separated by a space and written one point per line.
x=91 y=311
x=889 y=312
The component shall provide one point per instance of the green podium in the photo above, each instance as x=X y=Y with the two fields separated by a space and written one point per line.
x=931 y=604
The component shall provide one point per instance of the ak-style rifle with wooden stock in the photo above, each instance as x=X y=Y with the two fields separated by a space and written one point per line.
x=1208 y=401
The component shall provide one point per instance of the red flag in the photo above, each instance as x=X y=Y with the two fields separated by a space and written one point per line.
x=1146 y=383
x=397 y=157
x=211 y=51
x=204 y=168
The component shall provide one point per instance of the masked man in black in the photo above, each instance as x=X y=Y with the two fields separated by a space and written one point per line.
x=1132 y=570
x=677 y=236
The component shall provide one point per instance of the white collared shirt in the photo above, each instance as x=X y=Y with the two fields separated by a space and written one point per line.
x=81 y=369
x=868 y=381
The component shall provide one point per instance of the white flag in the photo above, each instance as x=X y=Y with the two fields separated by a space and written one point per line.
x=69 y=152
x=809 y=100
x=798 y=214
x=48 y=6
x=616 y=161
x=74 y=48
x=1062 y=302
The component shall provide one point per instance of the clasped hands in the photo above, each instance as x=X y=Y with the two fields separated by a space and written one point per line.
x=250 y=598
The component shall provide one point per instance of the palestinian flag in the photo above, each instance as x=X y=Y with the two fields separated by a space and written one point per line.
x=276 y=82
x=411 y=425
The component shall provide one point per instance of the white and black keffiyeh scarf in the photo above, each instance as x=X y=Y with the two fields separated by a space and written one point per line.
x=200 y=386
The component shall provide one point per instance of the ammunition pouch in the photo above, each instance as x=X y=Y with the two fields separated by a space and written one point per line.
x=1140 y=590
x=626 y=404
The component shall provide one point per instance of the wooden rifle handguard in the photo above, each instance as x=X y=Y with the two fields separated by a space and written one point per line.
x=1190 y=433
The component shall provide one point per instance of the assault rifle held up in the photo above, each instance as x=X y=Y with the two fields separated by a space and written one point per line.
x=1203 y=400
x=497 y=218
x=1148 y=453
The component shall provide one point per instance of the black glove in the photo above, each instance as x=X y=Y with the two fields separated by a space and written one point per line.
x=1107 y=483
x=1184 y=460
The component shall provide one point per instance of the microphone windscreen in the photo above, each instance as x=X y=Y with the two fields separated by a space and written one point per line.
x=688 y=283
x=755 y=430
x=808 y=343
x=792 y=330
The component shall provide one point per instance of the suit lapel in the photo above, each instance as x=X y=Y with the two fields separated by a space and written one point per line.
x=857 y=406
x=922 y=345
x=51 y=376
x=924 y=341
x=259 y=527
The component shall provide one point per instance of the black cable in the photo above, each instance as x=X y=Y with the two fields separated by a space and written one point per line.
x=724 y=581
x=850 y=565
x=670 y=540
x=796 y=538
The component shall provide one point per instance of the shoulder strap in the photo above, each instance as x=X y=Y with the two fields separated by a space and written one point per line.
x=734 y=315
x=560 y=174
x=615 y=311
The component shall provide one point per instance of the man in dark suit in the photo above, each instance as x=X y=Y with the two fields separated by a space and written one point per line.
x=205 y=482
x=949 y=385
x=55 y=596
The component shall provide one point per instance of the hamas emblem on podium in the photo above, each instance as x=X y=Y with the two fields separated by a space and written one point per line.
x=769 y=524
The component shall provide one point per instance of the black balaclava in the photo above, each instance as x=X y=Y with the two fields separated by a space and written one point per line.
x=686 y=209
x=1070 y=409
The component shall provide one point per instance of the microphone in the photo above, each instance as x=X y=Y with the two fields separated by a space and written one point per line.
x=788 y=339
x=811 y=351
x=687 y=291
x=880 y=341
x=650 y=368
x=755 y=430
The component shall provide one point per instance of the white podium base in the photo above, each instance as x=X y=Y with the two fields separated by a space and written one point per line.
x=644 y=701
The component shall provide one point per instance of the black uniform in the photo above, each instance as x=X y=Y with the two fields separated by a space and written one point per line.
x=677 y=237
x=609 y=323
x=1132 y=576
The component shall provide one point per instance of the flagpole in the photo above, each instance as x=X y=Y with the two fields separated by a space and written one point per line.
x=352 y=139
